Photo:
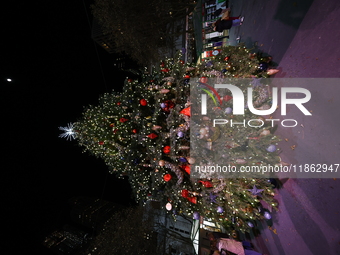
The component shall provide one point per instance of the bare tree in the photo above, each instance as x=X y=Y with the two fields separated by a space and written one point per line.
x=140 y=28
x=125 y=233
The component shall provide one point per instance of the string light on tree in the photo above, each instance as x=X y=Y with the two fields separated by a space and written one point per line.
x=144 y=131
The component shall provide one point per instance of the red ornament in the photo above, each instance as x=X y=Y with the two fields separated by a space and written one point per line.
x=118 y=103
x=112 y=125
x=187 y=77
x=165 y=70
x=101 y=143
x=143 y=102
x=168 y=104
x=167 y=177
x=115 y=130
x=130 y=80
x=226 y=58
x=152 y=80
x=186 y=168
x=134 y=131
x=122 y=120
x=162 y=64
x=186 y=111
x=152 y=136
x=192 y=200
x=185 y=193
x=227 y=98
x=206 y=184
x=166 y=149
x=204 y=79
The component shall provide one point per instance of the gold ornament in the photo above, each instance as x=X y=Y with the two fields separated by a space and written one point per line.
x=249 y=209
x=161 y=162
x=216 y=134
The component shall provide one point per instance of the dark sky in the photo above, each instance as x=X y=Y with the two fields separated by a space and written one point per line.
x=47 y=50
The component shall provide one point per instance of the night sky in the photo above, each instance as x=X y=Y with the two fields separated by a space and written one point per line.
x=57 y=70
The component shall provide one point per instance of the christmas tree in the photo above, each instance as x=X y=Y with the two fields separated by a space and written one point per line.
x=145 y=132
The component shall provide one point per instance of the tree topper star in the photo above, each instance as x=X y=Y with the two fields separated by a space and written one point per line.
x=69 y=132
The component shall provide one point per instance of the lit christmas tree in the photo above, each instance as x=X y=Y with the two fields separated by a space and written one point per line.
x=145 y=133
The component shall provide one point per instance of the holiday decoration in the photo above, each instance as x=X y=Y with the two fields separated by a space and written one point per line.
x=255 y=191
x=204 y=79
x=152 y=136
x=164 y=91
x=267 y=215
x=123 y=120
x=272 y=71
x=69 y=132
x=250 y=224
x=180 y=134
x=145 y=132
x=265 y=132
x=271 y=148
x=182 y=159
x=167 y=177
x=227 y=98
x=206 y=184
x=156 y=127
x=168 y=206
x=186 y=111
x=228 y=110
x=166 y=149
x=143 y=102
x=161 y=163
x=186 y=168
x=185 y=193
x=191 y=160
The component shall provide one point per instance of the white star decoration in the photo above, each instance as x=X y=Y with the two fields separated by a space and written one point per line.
x=69 y=133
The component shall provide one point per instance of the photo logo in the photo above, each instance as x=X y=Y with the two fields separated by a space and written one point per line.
x=238 y=127
x=238 y=100
x=239 y=105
